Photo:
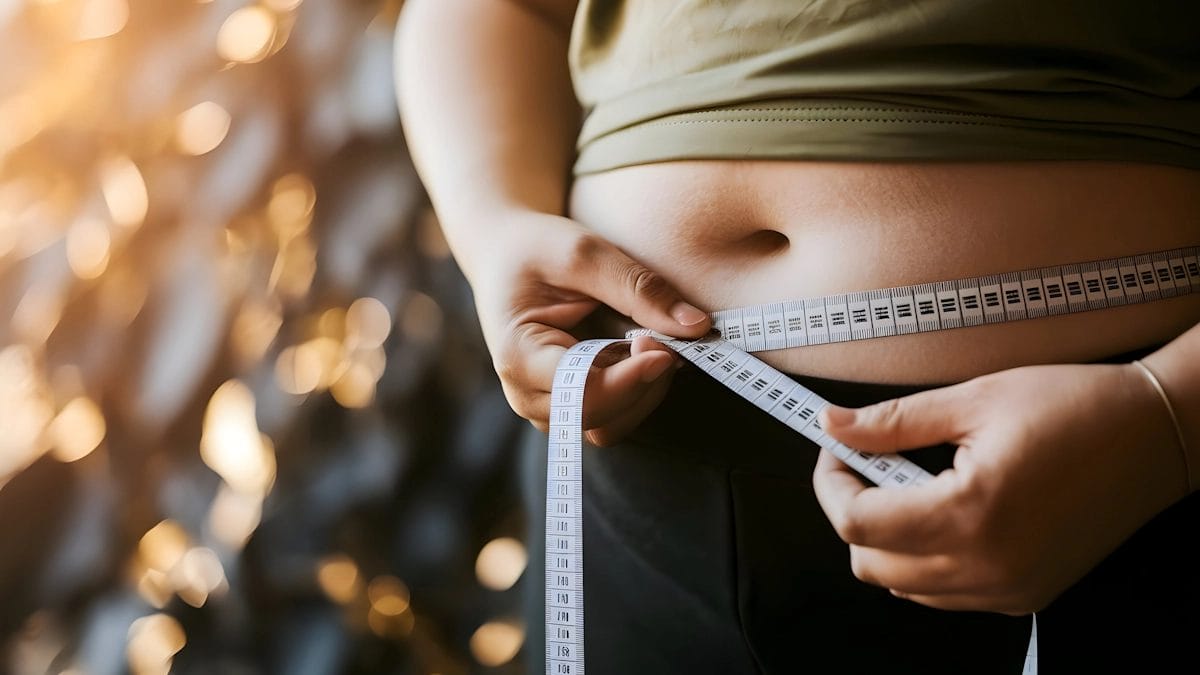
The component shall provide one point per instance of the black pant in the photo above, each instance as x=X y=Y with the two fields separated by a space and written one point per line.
x=706 y=552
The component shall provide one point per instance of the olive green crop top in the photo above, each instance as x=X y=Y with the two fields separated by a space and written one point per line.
x=887 y=80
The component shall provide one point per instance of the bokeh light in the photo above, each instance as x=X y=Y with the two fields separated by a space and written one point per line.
x=282 y=5
x=163 y=546
x=355 y=386
x=102 y=18
x=232 y=445
x=291 y=207
x=298 y=371
x=388 y=595
x=77 y=430
x=201 y=128
x=339 y=578
x=246 y=420
x=367 y=323
x=88 y=247
x=153 y=643
x=124 y=191
x=246 y=35
x=390 y=615
x=200 y=574
x=37 y=314
x=234 y=516
x=496 y=642
x=500 y=563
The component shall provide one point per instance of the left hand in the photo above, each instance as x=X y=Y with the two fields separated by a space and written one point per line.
x=1056 y=466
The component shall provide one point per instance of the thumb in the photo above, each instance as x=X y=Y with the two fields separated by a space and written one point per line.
x=917 y=421
x=637 y=292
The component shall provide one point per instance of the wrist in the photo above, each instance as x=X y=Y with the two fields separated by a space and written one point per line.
x=1165 y=404
x=1175 y=367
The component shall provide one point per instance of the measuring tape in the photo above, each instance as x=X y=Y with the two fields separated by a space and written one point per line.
x=835 y=318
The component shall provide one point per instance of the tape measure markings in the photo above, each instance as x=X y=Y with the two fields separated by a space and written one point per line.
x=973 y=301
x=789 y=402
x=1012 y=296
x=770 y=390
x=564 y=511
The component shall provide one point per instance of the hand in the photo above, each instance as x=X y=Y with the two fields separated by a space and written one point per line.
x=545 y=277
x=1056 y=466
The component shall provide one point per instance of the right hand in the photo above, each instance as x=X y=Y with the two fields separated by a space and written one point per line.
x=543 y=277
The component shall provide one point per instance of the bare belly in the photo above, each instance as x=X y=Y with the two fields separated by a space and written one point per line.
x=728 y=234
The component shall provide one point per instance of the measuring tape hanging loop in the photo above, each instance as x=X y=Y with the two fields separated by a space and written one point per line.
x=863 y=315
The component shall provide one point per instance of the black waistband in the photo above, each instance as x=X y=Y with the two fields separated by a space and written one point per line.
x=702 y=422
x=846 y=393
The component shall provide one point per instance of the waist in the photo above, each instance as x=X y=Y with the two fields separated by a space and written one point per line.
x=730 y=234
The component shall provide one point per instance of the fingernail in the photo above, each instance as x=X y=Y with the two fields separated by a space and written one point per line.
x=655 y=370
x=839 y=416
x=687 y=315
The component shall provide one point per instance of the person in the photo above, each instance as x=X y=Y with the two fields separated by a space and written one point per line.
x=737 y=153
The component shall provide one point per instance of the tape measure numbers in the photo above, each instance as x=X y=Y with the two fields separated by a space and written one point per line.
x=836 y=318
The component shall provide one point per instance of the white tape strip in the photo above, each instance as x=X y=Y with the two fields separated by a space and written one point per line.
x=789 y=402
x=836 y=318
x=1027 y=294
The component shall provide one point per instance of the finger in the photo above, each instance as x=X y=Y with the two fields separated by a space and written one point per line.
x=565 y=314
x=639 y=345
x=609 y=392
x=533 y=355
x=913 y=519
x=645 y=343
x=533 y=406
x=923 y=419
x=909 y=573
x=627 y=421
x=526 y=366
x=602 y=271
x=527 y=372
x=613 y=390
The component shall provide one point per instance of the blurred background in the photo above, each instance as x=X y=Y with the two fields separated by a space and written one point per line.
x=246 y=421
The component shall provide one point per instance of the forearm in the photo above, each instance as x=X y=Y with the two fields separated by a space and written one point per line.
x=488 y=111
x=1177 y=366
